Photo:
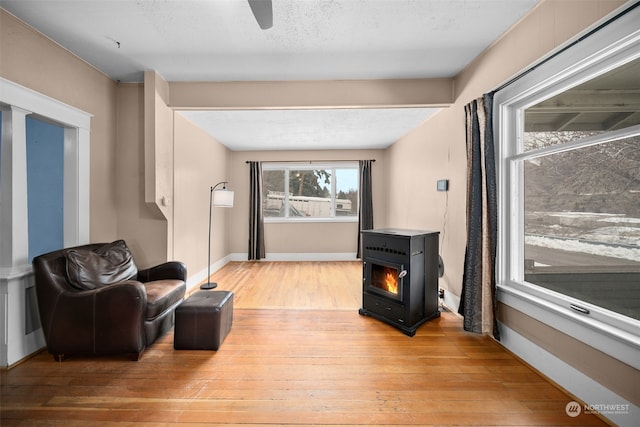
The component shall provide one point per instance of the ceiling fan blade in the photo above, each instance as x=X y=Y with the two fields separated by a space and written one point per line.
x=263 y=11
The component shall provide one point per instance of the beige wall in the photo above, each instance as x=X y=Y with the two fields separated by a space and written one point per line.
x=144 y=230
x=200 y=162
x=436 y=150
x=158 y=144
x=313 y=94
x=302 y=238
x=158 y=155
x=34 y=61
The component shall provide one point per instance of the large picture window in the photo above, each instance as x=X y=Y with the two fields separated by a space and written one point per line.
x=568 y=157
x=304 y=191
x=582 y=221
x=581 y=180
x=579 y=167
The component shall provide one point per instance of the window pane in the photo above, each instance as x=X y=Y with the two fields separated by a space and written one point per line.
x=310 y=183
x=310 y=193
x=45 y=186
x=273 y=193
x=347 y=192
x=537 y=140
x=608 y=102
x=298 y=191
x=582 y=223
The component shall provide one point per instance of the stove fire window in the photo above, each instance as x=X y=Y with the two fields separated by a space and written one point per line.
x=386 y=280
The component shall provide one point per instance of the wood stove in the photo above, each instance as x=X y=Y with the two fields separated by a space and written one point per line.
x=400 y=277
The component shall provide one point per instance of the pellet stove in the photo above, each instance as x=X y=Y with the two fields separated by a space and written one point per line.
x=400 y=277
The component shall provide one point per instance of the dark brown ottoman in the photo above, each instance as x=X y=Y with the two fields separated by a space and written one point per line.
x=203 y=320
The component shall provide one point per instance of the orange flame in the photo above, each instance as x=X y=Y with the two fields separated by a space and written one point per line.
x=391 y=283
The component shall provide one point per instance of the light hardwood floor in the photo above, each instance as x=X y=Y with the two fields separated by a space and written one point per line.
x=298 y=354
x=295 y=285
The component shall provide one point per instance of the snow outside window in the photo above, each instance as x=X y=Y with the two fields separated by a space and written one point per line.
x=582 y=217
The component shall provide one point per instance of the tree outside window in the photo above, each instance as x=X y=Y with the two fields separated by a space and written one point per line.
x=312 y=192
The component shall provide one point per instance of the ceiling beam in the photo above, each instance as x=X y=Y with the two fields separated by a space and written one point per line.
x=396 y=93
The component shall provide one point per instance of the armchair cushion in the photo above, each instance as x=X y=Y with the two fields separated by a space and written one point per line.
x=106 y=265
x=162 y=295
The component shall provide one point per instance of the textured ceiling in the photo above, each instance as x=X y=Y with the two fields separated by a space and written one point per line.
x=314 y=129
x=219 y=40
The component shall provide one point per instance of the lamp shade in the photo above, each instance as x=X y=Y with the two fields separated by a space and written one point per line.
x=223 y=198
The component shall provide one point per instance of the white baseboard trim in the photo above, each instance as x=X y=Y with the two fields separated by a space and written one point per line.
x=238 y=256
x=320 y=256
x=451 y=300
x=200 y=276
x=610 y=405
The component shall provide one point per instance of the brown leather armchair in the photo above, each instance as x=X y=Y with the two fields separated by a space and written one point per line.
x=93 y=300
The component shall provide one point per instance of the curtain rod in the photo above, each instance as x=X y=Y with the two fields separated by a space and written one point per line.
x=306 y=161
x=570 y=45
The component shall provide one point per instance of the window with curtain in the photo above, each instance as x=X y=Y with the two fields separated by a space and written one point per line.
x=569 y=188
x=310 y=191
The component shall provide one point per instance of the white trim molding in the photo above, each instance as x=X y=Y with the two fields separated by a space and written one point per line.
x=575 y=382
x=597 y=334
x=16 y=277
x=201 y=276
x=14 y=94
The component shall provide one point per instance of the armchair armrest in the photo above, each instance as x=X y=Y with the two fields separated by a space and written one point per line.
x=102 y=321
x=168 y=270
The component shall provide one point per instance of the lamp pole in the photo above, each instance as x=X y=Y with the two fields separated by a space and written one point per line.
x=209 y=284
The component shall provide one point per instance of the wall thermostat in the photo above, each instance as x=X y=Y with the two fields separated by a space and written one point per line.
x=443 y=185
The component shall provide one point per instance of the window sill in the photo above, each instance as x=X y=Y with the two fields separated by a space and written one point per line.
x=614 y=341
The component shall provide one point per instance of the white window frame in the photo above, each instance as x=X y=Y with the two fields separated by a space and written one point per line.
x=77 y=131
x=270 y=166
x=608 y=48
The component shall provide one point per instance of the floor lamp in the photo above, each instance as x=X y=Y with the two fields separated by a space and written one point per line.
x=219 y=198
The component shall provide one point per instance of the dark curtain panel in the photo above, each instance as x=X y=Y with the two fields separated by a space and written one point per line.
x=478 y=300
x=256 y=220
x=365 y=213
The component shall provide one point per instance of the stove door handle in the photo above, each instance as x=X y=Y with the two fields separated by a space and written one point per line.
x=402 y=274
